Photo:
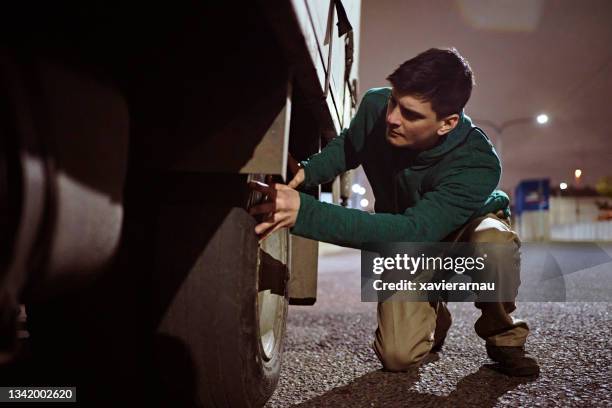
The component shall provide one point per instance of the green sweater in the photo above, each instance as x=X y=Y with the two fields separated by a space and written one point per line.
x=419 y=196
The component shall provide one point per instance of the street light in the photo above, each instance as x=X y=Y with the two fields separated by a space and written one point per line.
x=563 y=186
x=577 y=174
x=541 y=119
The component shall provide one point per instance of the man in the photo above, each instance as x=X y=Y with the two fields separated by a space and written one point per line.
x=433 y=176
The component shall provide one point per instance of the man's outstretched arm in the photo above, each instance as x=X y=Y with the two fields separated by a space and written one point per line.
x=460 y=193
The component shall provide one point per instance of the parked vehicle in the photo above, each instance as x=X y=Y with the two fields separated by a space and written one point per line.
x=129 y=133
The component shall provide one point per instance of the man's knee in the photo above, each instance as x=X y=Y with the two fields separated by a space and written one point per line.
x=404 y=359
x=498 y=241
x=405 y=333
x=500 y=245
x=493 y=230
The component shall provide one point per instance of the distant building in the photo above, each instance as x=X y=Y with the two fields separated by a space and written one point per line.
x=569 y=215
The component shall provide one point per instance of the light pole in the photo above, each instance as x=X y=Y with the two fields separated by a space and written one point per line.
x=499 y=129
x=577 y=175
x=559 y=217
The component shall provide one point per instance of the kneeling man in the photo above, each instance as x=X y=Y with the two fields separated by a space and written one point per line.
x=434 y=177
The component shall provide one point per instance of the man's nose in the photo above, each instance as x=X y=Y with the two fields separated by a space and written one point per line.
x=393 y=118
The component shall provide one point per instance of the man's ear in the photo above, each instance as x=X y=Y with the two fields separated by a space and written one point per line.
x=448 y=124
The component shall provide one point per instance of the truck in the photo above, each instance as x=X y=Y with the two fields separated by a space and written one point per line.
x=129 y=134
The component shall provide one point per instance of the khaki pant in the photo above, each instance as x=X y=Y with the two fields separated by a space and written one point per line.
x=407 y=331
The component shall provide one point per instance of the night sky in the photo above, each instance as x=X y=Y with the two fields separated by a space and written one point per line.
x=528 y=57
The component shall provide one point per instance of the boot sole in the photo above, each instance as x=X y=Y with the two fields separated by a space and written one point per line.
x=517 y=372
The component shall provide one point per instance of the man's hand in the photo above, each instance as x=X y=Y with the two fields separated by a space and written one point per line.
x=281 y=210
x=297 y=171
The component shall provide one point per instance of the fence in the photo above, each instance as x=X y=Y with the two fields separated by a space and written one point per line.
x=583 y=231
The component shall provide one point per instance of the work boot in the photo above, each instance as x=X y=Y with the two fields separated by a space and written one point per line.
x=513 y=361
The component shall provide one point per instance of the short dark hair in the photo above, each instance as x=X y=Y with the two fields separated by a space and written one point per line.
x=440 y=76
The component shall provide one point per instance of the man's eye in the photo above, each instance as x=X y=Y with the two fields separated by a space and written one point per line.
x=409 y=115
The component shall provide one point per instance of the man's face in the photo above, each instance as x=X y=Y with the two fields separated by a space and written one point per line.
x=411 y=123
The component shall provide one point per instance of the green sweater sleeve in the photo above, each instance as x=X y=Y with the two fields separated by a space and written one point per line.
x=344 y=152
x=461 y=190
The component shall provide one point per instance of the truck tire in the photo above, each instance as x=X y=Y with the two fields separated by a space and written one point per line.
x=218 y=305
x=219 y=340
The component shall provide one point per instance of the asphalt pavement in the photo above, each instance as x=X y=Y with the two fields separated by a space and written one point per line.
x=328 y=360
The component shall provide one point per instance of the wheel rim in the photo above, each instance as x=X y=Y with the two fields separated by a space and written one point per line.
x=271 y=304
